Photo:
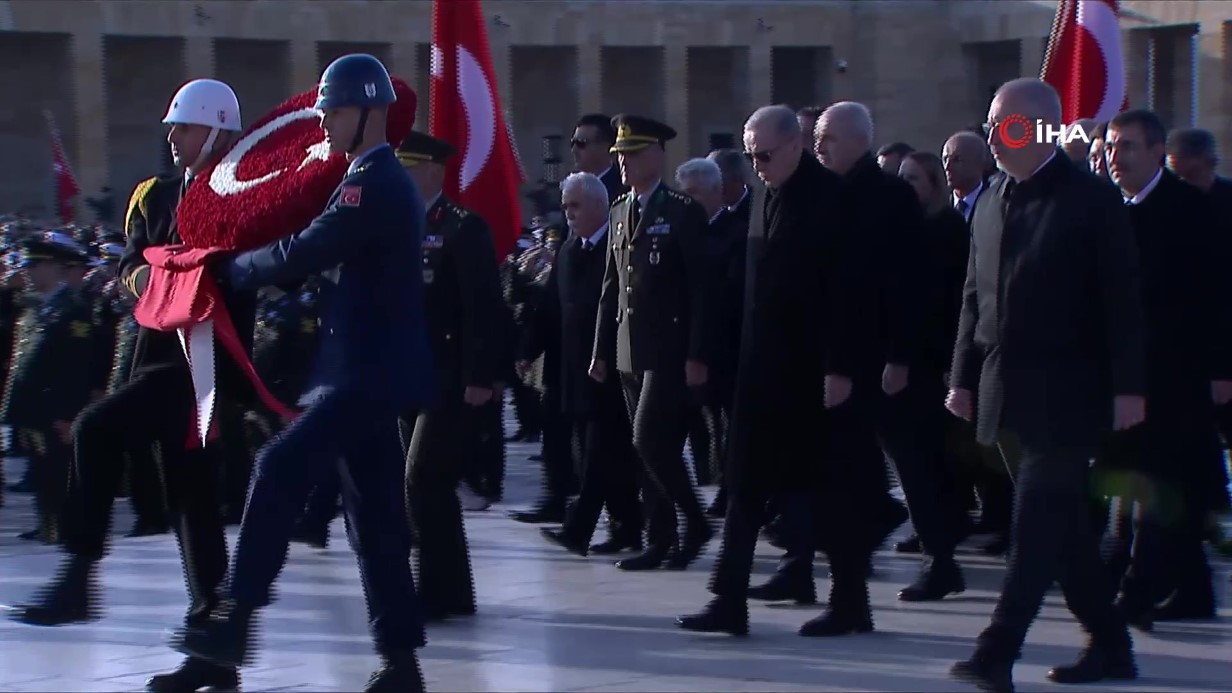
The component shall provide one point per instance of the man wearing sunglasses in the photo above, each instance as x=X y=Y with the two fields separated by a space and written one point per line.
x=593 y=137
x=654 y=327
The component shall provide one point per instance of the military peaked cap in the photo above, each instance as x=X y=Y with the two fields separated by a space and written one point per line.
x=635 y=132
x=53 y=246
x=420 y=147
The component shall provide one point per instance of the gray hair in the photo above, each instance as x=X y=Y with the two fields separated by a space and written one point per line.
x=589 y=184
x=732 y=164
x=852 y=114
x=1193 y=142
x=780 y=119
x=1035 y=96
x=704 y=171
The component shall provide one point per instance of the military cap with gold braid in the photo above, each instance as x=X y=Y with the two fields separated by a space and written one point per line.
x=420 y=147
x=635 y=132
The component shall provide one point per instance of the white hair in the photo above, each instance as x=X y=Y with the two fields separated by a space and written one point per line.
x=704 y=171
x=1035 y=96
x=781 y=119
x=853 y=114
x=589 y=184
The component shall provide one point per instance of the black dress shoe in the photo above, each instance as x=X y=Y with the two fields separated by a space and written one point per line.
x=985 y=674
x=1138 y=613
x=1180 y=608
x=541 y=514
x=834 y=622
x=783 y=590
x=23 y=486
x=909 y=545
x=193 y=675
x=224 y=640
x=616 y=544
x=1097 y=664
x=721 y=615
x=71 y=598
x=30 y=535
x=650 y=559
x=694 y=542
x=999 y=546
x=316 y=538
x=563 y=540
x=398 y=674
x=937 y=581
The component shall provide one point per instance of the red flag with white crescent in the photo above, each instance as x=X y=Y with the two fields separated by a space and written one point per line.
x=66 y=182
x=465 y=111
x=1084 y=61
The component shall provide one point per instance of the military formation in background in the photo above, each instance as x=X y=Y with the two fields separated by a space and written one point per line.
x=796 y=334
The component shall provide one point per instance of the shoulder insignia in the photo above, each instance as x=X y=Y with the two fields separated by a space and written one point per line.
x=79 y=329
x=307 y=325
x=679 y=196
x=349 y=196
x=459 y=210
x=138 y=200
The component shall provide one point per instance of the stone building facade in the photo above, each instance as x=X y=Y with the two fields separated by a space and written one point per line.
x=105 y=69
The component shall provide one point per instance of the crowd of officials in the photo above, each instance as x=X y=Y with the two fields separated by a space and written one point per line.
x=1033 y=342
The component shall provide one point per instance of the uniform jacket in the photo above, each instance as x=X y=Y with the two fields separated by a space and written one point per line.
x=151 y=221
x=462 y=287
x=1051 y=324
x=373 y=333
x=53 y=361
x=656 y=308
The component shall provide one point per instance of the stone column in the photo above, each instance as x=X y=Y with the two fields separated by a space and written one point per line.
x=304 y=70
x=1031 y=56
x=90 y=160
x=1213 y=94
x=761 y=75
x=590 y=77
x=198 y=57
x=1137 y=49
x=676 y=100
x=1184 y=76
x=404 y=62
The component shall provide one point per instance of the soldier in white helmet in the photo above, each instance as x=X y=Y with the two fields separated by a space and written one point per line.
x=156 y=405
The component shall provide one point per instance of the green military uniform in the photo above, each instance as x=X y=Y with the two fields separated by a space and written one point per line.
x=655 y=314
x=50 y=379
x=466 y=321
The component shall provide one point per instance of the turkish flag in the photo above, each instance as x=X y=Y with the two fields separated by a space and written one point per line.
x=1084 y=61
x=65 y=181
x=465 y=111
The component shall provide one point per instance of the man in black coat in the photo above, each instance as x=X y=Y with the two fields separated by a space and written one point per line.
x=1176 y=451
x=802 y=302
x=567 y=313
x=1051 y=336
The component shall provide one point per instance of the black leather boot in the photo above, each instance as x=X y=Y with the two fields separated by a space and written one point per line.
x=399 y=673
x=721 y=615
x=193 y=675
x=73 y=597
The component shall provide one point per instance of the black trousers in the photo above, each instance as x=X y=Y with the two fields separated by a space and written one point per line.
x=706 y=442
x=560 y=478
x=48 y=459
x=438 y=442
x=911 y=427
x=1052 y=539
x=322 y=506
x=145 y=486
x=659 y=403
x=1151 y=553
x=154 y=407
x=609 y=473
x=527 y=407
x=485 y=466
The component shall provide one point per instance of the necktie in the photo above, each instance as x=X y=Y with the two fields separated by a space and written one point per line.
x=585 y=244
x=1129 y=202
x=961 y=206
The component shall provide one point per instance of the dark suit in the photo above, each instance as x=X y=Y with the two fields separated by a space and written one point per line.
x=465 y=321
x=1051 y=328
x=609 y=464
x=655 y=313
x=1176 y=450
x=373 y=362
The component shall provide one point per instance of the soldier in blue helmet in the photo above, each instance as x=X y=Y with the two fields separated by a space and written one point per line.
x=372 y=363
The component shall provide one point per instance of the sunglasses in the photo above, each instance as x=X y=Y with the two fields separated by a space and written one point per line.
x=762 y=157
x=579 y=142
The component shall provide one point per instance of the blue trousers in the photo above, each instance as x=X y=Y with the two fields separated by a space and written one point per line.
x=357 y=434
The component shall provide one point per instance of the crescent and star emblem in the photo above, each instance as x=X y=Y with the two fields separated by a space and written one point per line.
x=475 y=92
x=1100 y=21
x=224 y=180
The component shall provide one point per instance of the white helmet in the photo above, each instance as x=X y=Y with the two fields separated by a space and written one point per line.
x=205 y=102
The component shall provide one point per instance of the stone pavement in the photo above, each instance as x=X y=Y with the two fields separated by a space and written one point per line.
x=552 y=622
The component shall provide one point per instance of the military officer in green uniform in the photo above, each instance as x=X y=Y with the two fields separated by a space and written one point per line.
x=49 y=382
x=465 y=312
x=654 y=333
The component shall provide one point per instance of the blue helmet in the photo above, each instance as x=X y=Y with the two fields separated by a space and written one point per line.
x=357 y=79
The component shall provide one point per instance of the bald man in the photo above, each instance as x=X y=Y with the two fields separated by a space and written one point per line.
x=1051 y=337
x=965 y=158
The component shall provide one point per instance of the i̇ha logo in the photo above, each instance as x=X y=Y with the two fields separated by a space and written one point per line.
x=1016 y=131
